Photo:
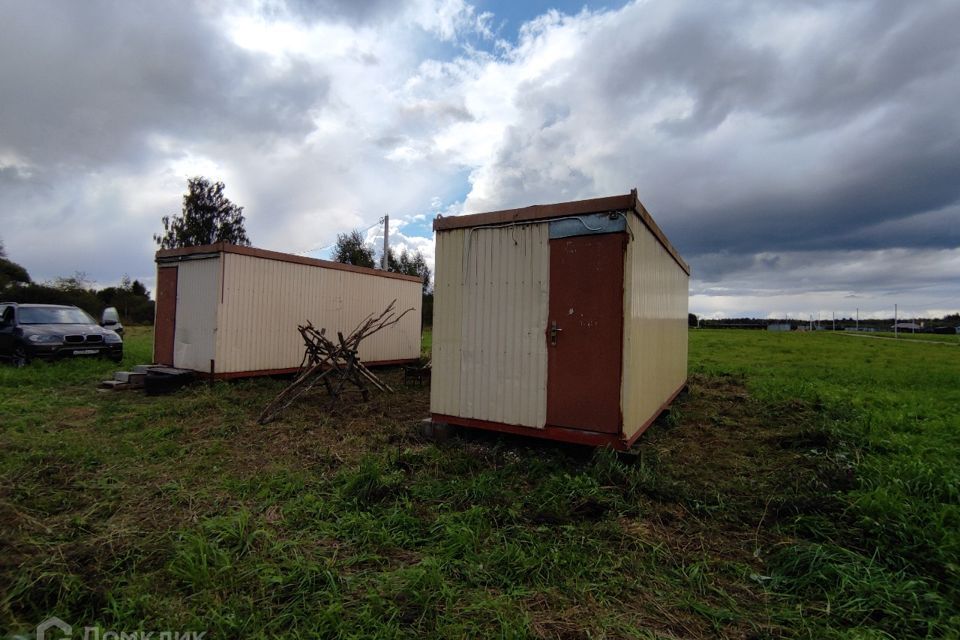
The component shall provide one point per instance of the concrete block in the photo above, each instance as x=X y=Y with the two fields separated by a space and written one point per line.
x=130 y=377
x=436 y=431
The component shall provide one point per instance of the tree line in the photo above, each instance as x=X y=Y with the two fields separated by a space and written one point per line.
x=352 y=248
x=949 y=321
x=130 y=297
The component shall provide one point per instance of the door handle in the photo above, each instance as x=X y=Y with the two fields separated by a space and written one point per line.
x=554 y=332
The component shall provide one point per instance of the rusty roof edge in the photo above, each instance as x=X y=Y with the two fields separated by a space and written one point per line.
x=538 y=212
x=535 y=212
x=226 y=247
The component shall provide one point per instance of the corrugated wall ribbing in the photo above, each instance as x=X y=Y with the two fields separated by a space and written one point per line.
x=447 y=321
x=198 y=292
x=655 y=328
x=264 y=301
x=490 y=355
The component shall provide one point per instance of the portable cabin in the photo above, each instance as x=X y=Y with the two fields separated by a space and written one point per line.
x=233 y=311
x=564 y=321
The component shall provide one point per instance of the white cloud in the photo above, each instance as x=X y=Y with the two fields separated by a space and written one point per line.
x=449 y=19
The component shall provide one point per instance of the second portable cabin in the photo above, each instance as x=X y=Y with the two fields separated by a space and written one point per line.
x=234 y=310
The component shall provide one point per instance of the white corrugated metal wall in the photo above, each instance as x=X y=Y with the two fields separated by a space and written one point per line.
x=198 y=293
x=490 y=314
x=264 y=300
x=655 y=328
x=447 y=322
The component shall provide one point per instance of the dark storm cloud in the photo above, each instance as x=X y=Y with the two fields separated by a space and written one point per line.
x=879 y=273
x=694 y=53
x=894 y=177
x=88 y=83
x=12 y=177
x=864 y=53
x=938 y=228
x=878 y=53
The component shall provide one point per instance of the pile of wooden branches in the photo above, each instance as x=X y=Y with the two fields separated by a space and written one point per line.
x=335 y=364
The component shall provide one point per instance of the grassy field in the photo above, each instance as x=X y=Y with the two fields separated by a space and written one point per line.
x=807 y=486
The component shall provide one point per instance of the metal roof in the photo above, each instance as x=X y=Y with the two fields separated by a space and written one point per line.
x=175 y=255
x=538 y=212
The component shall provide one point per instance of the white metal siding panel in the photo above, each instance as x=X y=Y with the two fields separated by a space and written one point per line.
x=655 y=328
x=490 y=310
x=198 y=292
x=264 y=301
x=447 y=321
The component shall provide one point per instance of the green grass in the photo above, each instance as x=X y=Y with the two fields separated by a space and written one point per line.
x=889 y=558
x=426 y=342
x=807 y=486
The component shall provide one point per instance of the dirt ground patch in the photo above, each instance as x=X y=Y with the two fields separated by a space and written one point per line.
x=320 y=435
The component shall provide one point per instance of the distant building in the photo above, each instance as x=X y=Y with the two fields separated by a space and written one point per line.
x=779 y=326
x=907 y=326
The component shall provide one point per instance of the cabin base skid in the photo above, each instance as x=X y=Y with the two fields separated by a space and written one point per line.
x=231 y=375
x=561 y=434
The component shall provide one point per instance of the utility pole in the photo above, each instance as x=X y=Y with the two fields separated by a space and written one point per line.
x=833 y=316
x=896 y=333
x=386 y=242
x=858 y=318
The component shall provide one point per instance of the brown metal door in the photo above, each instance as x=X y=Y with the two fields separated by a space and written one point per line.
x=585 y=332
x=165 y=318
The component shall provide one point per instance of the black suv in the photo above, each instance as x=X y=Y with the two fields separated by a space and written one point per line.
x=50 y=331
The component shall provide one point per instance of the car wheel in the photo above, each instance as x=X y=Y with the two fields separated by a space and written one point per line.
x=117 y=358
x=19 y=358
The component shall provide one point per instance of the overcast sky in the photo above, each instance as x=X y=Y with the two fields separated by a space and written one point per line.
x=803 y=156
